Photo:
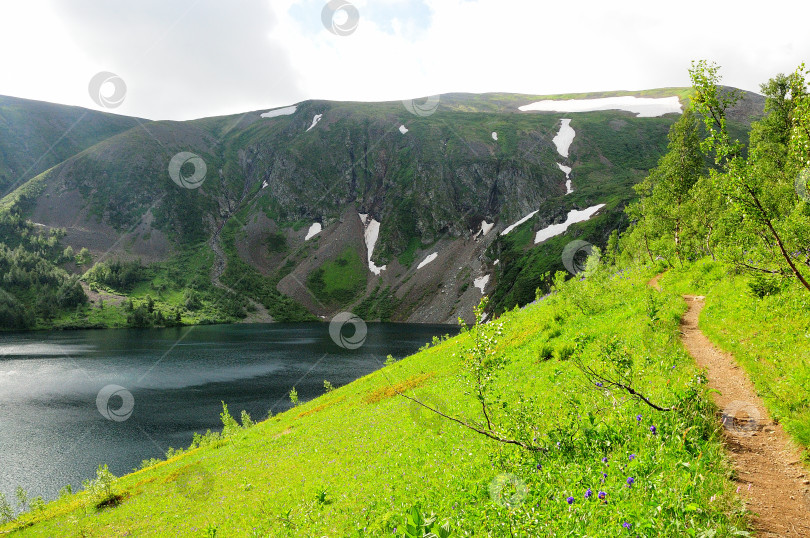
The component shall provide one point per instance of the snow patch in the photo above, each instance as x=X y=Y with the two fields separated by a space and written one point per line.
x=481 y=283
x=286 y=111
x=567 y=170
x=427 y=260
x=371 y=234
x=564 y=137
x=642 y=107
x=518 y=223
x=496 y=262
x=486 y=227
x=315 y=121
x=403 y=129
x=314 y=230
x=494 y=135
x=573 y=217
x=265 y=184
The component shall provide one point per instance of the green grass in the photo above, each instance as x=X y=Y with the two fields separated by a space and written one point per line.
x=340 y=280
x=375 y=456
x=769 y=337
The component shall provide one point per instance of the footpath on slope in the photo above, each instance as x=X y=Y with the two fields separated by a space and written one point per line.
x=769 y=472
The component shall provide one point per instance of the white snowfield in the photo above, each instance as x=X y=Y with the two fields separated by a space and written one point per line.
x=429 y=258
x=564 y=137
x=574 y=216
x=403 y=129
x=494 y=135
x=486 y=227
x=314 y=230
x=315 y=121
x=371 y=235
x=642 y=107
x=567 y=170
x=481 y=283
x=286 y=111
x=518 y=223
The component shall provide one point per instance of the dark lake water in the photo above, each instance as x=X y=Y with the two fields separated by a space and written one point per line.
x=53 y=432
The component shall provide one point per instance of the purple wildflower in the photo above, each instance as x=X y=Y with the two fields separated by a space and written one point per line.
x=626 y=525
x=599 y=384
x=652 y=429
x=601 y=494
x=632 y=457
x=589 y=493
x=638 y=418
x=604 y=460
x=539 y=466
x=570 y=500
x=630 y=481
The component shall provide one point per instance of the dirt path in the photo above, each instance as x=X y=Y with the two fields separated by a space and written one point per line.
x=769 y=473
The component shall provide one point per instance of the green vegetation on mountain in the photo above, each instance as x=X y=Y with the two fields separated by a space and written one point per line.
x=339 y=281
x=34 y=136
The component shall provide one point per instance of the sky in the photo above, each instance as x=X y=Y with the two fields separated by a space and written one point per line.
x=185 y=59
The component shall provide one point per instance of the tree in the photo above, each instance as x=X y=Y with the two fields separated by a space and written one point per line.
x=766 y=223
x=664 y=208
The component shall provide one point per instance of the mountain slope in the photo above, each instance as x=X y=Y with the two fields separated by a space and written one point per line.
x=35 y=136
x=290 y=195
x=354 y=461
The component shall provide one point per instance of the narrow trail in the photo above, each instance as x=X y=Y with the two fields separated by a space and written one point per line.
x=769 y=473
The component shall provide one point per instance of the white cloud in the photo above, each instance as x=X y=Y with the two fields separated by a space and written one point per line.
x=205 y=57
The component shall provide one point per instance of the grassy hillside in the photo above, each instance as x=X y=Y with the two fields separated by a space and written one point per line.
x=768 y=335
x=354 y=461
x=35 y=136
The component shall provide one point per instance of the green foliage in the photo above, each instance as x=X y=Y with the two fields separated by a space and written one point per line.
x=294 y=397
x=416 y=525
x=6 y=512
x=339 y=281
x=100 y=490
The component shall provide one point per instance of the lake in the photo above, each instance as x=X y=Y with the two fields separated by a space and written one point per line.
x=72 y=400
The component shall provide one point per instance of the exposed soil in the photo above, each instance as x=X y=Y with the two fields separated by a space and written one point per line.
x=769 y=472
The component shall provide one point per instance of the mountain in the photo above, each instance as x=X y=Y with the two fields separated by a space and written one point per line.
x=391 y=210
x=34 y=136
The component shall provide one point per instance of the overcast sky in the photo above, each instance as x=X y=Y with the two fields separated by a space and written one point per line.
x=183 y=59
